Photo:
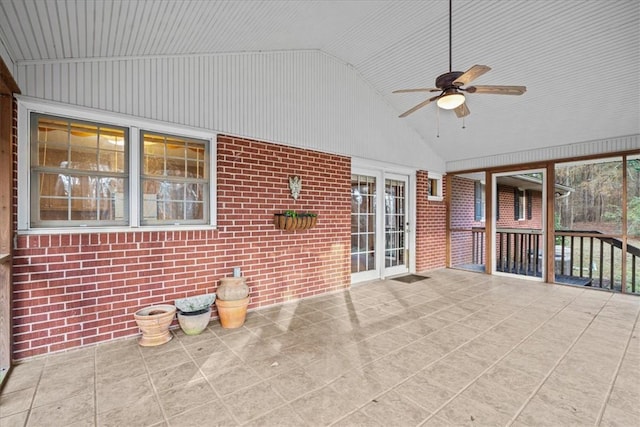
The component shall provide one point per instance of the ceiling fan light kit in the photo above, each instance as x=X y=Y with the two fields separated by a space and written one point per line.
x=450 y=100
x=450 y=84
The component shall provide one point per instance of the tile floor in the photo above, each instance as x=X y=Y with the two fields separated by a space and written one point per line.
x=458 y=348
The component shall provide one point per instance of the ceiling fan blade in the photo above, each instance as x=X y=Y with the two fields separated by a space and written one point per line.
x=417 y=107
x=424 y=89
x=471 y=74
x=462 y=110
x=498 y=90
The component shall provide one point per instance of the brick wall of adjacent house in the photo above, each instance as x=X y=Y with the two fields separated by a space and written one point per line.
x=507 y=211
x=431 y=222
x=72 y=290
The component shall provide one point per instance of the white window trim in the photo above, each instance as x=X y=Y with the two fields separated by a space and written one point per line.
x=438 y=177
x=28 y=105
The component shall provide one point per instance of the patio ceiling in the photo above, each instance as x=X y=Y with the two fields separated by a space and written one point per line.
x=579 y=60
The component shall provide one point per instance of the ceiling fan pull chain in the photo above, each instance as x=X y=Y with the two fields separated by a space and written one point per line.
x=437 y=123
x=463 y=126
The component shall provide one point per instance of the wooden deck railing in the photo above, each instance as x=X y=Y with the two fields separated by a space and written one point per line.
x=581 y=257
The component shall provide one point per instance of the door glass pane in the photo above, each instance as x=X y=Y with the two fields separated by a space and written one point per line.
x=363 y=223
x=633 y=224
x=394 y=221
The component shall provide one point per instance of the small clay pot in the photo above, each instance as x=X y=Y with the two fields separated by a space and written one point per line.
x=232 y=313
x=232 y=288
x=154 y=322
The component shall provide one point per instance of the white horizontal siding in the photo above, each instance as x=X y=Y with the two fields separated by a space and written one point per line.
x=302 y=98
x=569 y=151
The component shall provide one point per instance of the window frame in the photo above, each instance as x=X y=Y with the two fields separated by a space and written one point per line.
x=135 y=126
x=519 y=204
x=437 y=177
x=479 y=201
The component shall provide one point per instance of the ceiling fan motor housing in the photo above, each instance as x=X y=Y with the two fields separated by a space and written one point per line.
x=444 y=81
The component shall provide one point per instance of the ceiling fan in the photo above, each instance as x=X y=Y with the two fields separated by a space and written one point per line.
x=450 y=85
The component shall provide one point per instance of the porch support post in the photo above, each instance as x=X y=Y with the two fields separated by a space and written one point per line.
x=550 y=245
x=488 y=224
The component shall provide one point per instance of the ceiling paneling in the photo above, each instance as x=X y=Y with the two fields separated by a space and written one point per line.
x=578 y=59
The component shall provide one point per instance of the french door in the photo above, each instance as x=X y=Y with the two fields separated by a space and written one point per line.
x=379 y=225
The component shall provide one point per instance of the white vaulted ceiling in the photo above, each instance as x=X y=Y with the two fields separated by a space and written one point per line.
x=580 y=60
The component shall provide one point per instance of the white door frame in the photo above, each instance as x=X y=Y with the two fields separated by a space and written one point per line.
x=494 y=204
x=381 y=171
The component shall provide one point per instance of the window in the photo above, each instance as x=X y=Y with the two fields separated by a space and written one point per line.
x=174 y=179
x=79 y=170
x=434 y=186
x=519 y=204
x=479 y=201
x=78 y=173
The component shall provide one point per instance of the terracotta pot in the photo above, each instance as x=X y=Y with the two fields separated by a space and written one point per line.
x=232 y=313
x=154 y=322
x=232 y=288
x=193 y=323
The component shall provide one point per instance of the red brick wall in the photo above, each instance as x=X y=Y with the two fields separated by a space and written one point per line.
x=431 y=222
x=77 y=289
x=507 y=216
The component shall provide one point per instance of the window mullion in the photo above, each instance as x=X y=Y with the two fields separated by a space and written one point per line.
x=135 y=172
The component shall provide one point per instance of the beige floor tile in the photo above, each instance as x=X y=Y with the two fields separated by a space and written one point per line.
x=210 y=414
x=253 y=402
x=164 y=360
x=359 y=419
x=201 y=348
x=292 y=384
x=448 y=377
x=540 y=413
x=357 y=387
x=330 y=367
x=616 y=417
x=515 y=380
x=185 y=397
x=422 y=390
x=143 y=411
x=284 y=416
x=15 y=420
x=23 y=375
x=342 y=357
x=118 y=395
x=230 y=380
x=76 y=409
x=58 y=388
x=323 y=406
x=394 y=409
x=464 y=411
x=16 y=401
x=218 y=362
x=496 y=396
x=175 y=376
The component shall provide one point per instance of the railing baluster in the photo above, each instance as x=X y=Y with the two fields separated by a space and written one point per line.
x=601 y=262
x=591 y=258
x=581 y=254
x=611 y=267
x=633 y=274
x=570 y=273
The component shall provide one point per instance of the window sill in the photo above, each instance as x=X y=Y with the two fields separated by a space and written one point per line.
x=101 y=230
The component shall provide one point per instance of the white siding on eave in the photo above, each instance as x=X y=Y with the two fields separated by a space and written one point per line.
x=301 y=98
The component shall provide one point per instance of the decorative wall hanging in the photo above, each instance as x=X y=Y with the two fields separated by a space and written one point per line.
x=295 y=185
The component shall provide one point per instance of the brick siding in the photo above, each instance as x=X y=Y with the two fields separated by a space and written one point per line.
x=72 y=290
x=430 y=226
